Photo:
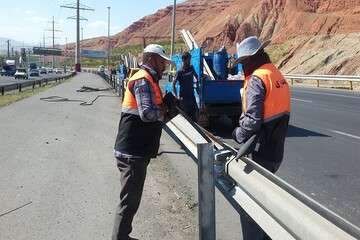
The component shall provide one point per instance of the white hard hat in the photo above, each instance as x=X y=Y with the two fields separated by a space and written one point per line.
x=249 y=47
x=157 y=49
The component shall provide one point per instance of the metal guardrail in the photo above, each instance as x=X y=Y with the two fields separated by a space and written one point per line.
x=318 y=78
x=111 y=79
x=281 y=210
x=32 y=83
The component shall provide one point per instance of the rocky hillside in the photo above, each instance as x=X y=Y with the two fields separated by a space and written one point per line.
x=307 y=36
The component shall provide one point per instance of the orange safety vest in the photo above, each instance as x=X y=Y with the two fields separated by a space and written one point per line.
x=129 y=102
x=277 y=98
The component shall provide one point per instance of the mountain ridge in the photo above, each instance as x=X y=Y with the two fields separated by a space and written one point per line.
x=216 y=23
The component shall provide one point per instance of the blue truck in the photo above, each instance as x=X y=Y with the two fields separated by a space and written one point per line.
x=216 y=97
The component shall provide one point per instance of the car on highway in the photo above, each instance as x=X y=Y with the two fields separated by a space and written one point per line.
x=21 y=74
x=43 y=71
x=101 y=69
x=50 y=70
x=8 y=69
x=58 y=71
x=34 y=73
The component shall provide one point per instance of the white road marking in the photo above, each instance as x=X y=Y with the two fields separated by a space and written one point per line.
x=328 y=94
x=345 y=134
x=301 y=100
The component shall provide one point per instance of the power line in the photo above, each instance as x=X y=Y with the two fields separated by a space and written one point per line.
x=77 y=6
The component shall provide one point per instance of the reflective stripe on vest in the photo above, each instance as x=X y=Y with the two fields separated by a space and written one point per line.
x=129 y=104
x=277 y=98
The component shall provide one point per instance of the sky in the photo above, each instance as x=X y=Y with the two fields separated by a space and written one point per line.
x=27 y=21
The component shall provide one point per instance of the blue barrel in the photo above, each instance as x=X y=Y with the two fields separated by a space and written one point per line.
x=220 y=64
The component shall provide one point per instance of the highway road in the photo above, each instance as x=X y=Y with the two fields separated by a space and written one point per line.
x=6 y=80
x=322 y=151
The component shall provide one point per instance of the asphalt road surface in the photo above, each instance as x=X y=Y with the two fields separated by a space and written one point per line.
x=59 y=179
x=322 y=151
x=7 y=79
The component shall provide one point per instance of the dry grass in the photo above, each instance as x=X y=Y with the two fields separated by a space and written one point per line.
x=278 y=51
x=14 y=96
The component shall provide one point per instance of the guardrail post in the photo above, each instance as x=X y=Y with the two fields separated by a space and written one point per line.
x=2 y=91
x=33 y=85
x=351 y=85
x=292 y=81
x=19 y=87
x=318 y=83
x=206 y=191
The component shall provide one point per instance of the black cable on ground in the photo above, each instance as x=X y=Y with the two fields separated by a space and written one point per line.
x=91 y=89
x=82 y=102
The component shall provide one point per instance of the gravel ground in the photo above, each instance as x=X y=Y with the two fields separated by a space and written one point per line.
x=57 y=159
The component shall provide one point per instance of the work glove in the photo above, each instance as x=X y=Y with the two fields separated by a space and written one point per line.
x=171 y=104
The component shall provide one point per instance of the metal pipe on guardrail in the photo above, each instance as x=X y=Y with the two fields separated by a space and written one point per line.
x=292 y=214
x=319 y=78
x=330 y=77
x=281 y=210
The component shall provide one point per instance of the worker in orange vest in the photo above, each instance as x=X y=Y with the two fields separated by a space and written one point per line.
x=138 y=137
x=265 y=116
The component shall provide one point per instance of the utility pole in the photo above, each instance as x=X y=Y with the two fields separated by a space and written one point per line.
x=66 y=53
x=8 y=48
x=78 y=19
x=27 y=54
x=44 y=47
x=109 y=43
x=173 y=26
x=53 y=30
x=77 y=54
x=53 y=41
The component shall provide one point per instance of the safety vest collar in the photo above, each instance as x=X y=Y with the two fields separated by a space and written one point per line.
x=151 y=71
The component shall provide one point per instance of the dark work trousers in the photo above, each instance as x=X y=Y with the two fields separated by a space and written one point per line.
x=132 y=178
x=190 y=108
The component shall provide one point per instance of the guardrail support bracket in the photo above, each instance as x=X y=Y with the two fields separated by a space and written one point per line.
x=206 y=189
